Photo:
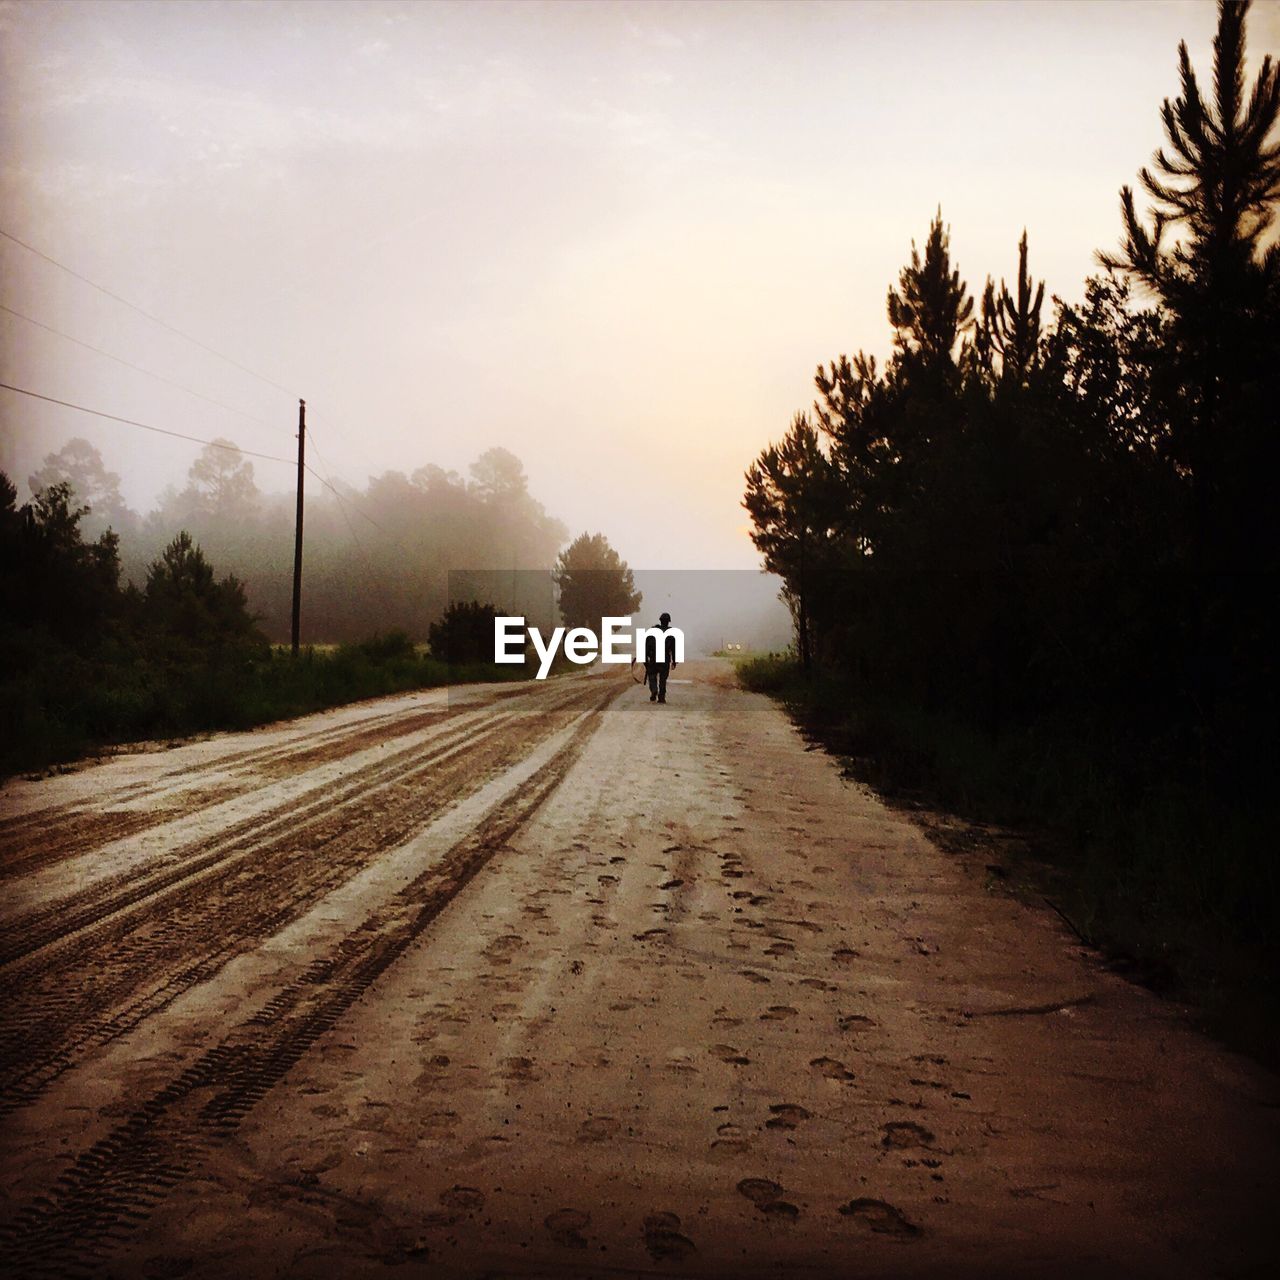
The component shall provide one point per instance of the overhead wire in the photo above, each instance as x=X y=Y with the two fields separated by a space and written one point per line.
x=128 y=364
x=182 y=435
x=179 y=435
x=341 y=498
x=147 y=315
x=147 y=426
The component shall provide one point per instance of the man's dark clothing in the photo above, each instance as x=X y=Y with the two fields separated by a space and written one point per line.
x=657 y=671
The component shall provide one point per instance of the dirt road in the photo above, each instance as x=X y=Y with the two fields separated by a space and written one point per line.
x=545 y=980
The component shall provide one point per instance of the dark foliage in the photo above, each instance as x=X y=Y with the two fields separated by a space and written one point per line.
x=1050 y=542
x=464 y=633
x=594 y=582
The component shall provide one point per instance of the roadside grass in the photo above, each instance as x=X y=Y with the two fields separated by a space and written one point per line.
x=63 y=706
x=1180 y=890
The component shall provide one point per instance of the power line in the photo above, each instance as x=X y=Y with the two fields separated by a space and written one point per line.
x=164 y=324
x=341 y=499
x=128 y=364
x=182 y=435
x=146 y=426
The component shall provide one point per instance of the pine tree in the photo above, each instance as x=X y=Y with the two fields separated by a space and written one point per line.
x=1010 y=328
x=1217 y=184
x=931 y=309
x=792 y=498
x=1219 y=180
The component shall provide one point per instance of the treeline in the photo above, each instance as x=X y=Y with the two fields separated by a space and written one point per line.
x=87 y=659
x=1036 y=551
x=374 y=557
x=116 y=627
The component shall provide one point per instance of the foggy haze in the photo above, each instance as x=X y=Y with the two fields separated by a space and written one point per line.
x=613 y=239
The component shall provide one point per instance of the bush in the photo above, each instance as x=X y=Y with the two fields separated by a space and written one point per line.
x=770 y=673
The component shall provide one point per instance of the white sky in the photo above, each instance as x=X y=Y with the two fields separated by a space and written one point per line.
x=615 y=238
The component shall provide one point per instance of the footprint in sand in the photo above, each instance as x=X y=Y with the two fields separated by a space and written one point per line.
x=879 y=1216
x=566 y=1227
x=778 y=1013
x=781 y=1209
x=905 y=1133
x=598 y=1128
x=759 y=1190
x=853 y=1021
x=730 y=1137
x=517 y=1069
x=500 y=950
x=663 y=1238
x=439 y=1124
x=766 y=1196
x=468 y=1199
x=831 y=1069
x=786 y=1115
x=728 y=1054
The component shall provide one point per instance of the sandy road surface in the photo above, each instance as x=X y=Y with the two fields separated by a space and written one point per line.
x=546 y=980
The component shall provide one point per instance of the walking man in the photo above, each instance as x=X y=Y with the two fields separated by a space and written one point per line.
x=659 y=658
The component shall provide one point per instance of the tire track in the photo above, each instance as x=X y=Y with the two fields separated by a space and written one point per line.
x=117 y=1183
x=165 y=937
x=43 y=925
x=31 y=841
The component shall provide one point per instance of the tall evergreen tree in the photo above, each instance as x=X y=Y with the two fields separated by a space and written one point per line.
x=594 y=582
x=1009 y=330
x=792 y=499
x=931 y=308
x=1217 y=183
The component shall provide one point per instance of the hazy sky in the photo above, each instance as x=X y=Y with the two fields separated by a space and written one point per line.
x=615 y=238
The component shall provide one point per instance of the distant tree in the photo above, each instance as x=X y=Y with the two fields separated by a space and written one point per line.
x=594 y=582
x=464 y=634
x=792 y=499
x=221 y=481
x=497 y=474
x=183 y=599
x=51 y=577
x=80 y=465
x=436 y=480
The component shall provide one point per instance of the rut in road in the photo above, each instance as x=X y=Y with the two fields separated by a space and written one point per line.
x=31 y=930
x=117 y=1182
x=42 y=837
x=90 y=971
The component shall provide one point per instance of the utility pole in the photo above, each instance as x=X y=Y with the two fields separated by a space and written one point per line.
x=297 y=536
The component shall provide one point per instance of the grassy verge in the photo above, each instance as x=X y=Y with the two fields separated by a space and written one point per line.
x=60 y=710
x=1180 y=890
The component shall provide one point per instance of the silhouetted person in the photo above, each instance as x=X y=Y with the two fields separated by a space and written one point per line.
x=657 y=665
